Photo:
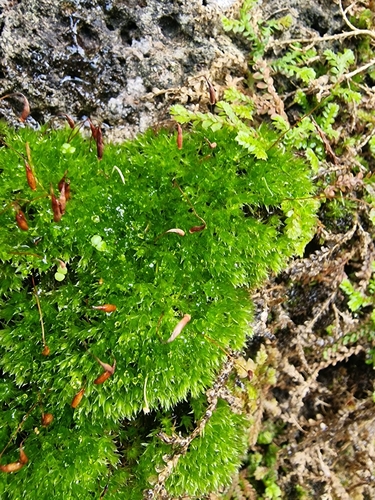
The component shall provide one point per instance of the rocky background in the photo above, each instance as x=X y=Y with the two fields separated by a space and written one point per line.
x=121 y=62
x=124 y=62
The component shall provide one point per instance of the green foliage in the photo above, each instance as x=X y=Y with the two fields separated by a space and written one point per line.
x=327 y=119
x=339 y=63
x=334 y=96
x=372 y=145
x=363 y=19
x=212 y=460
x=358 y=300
x=262 y=469
x=256 y=31
x=297 y=63
x=111 y=247
x=231 y=116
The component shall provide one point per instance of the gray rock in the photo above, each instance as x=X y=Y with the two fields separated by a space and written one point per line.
x=124 y=62
x=120 y=62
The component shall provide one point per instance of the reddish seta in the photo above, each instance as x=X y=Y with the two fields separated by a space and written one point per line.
x=64 y=184
x=62 y=199
x=98 y=138
x=55 y=206
x=99 y=143
x=107 y=308
x=179 y=136
x=211 y=92
x=23 y=457
x=21 y=220
x=197 y=229
x=77 y=398
x=109 y=370
x=30 y=177
x=16 y=466
x=69 y=120
x=180 y=326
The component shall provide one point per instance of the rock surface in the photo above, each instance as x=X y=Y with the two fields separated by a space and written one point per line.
x=120 y=62
x=124 y=62
x=310 y=17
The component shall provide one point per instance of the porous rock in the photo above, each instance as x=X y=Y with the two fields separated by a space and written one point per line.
x=113 y=60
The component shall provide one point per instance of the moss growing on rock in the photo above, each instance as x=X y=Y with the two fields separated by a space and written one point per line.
x=242 y=218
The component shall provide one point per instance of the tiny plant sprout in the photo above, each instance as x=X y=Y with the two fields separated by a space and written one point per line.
x=77 y=398
x=67 y=149
x=21 y=220
x=30 y=177
x=61 y=271
x=59 y=277
x=96 y=240
x=47 y=419
x=176 y=230
x=16 y=466
x=46 y=351
x=98 y=243
x=180 y=326
x=107 y=308
x=62 y=267
x=179 y=136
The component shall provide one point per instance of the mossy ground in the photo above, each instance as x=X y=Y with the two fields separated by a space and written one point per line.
x=111 y=246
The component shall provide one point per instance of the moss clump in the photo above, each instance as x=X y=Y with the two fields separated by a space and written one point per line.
x=111 y=247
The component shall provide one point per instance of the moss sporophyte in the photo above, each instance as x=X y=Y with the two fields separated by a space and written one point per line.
x=150 y=269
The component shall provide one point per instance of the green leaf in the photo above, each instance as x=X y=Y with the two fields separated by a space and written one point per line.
x=252 y=144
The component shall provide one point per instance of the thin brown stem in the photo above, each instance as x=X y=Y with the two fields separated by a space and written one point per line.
x=297 y=122
x=320 y=39
x=40 y=311
x=18 y=428
x=189 y=202
x=27 y=253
